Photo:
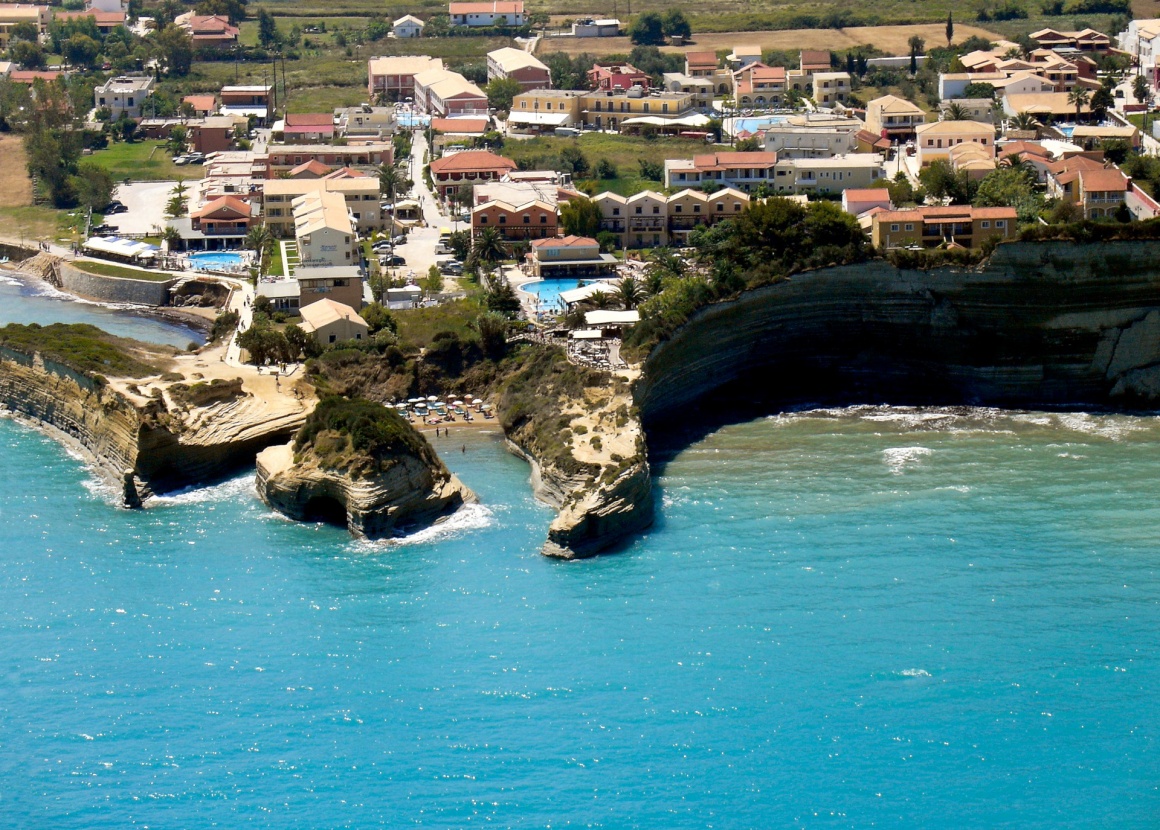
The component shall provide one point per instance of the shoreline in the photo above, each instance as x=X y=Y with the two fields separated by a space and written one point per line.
x=187 y=317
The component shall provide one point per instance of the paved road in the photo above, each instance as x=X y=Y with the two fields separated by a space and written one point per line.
x=419 y=249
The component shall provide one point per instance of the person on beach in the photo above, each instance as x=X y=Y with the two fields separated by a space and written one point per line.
x=465 y=448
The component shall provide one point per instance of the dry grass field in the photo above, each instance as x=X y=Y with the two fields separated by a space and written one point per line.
x=890 y=39
x=15 y=185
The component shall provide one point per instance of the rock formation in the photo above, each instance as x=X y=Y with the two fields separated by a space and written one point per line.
x=394 y=485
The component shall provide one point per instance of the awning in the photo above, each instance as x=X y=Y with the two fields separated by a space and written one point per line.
x=575 y=295
x=244 y=111
x=540 y=119
x=121 y=247
x=612 y=318
x=586 y=334
x=695 y=120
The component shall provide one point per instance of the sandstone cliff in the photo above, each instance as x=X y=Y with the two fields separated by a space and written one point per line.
x=137 y=425
x=379 y=487
x=578 y=429
x=1039 y=324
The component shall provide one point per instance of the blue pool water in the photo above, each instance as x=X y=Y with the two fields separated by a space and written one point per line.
x=28 y=300
x=208 y=260
x=410 y=120
x=752 y=125
x=549 y=291
x=869 y=617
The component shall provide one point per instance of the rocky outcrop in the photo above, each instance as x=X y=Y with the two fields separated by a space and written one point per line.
x=1038 y=324
x=579 y=431
x=136 y=426
x=407 y=494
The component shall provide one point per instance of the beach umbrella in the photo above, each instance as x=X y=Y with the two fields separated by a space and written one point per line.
x=476 y=402
x=457 y=403
x=414 y=400
x=432 y=398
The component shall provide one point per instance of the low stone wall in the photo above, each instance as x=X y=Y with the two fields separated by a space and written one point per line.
x=113 y=289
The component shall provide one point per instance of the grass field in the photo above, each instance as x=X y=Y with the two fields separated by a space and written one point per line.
x=108 y=269
x=142 y=161
x=15 y=185
x=890 y=39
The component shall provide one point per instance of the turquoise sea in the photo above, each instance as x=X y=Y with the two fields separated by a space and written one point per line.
x=842 y=618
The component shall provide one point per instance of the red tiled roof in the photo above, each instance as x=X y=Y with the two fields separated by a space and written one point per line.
x=755 y=158
x=27 y=76
x=201 y=103
x=1103 y=180
x=101 y=18
x=496 y=7
x=310 y=119
x=471 y=160
x=571 y=241
x=313 y=166
x=467 y=126
x=232 y=203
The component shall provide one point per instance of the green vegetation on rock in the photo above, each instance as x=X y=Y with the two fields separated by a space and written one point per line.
x=81 y=347
x=360 y=434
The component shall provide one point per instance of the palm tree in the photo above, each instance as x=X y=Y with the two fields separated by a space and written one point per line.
x=490 y=247
x=1025 y=121
x=389 y=180
x=654 y=281
x=628 y=293
x=598 y=300
x=1079 y=98
x=260 y=240
x=1140 y=89
x=956 y=112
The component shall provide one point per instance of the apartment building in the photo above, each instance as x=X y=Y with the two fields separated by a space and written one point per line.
x=365 y=122
x=650 y=219
x=369 y=156
x=407 y=26
x=515 y=221
x=13 y=14
x=831 y=88
x=930 y=227
x=518 y=65
x=446 y=94
x=744 y=171
x=634 y=109
x=936 y=139
x=893 y=117
x=360 y=194
x=307 y=128
x=123 y=95
x=469 y=167
x=545 y=109
x=828 y=175
x=760 y=86
x=394 y=77
x=813 y=135
x=1102 y=192
x=617 y=76
x=323 y=229
x=701 y=88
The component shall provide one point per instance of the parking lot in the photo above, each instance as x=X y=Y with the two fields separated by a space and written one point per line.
x=146 y=206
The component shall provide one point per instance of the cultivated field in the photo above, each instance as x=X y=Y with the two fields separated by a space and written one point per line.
x=890 y=39
x=15 y=186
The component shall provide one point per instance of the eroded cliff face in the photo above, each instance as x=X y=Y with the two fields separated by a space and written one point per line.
x=408 y=494
x=139 y=426
x=1039 y=324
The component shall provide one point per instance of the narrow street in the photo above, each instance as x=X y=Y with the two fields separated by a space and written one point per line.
x=419 y=249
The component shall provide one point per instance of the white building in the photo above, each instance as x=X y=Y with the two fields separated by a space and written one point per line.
x=407 y=26
x=324 y=230
x=491 y=13
x=587 y=27
x=123 y=94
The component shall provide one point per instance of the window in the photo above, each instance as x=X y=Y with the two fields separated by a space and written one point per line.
x=656 y=209
x=616 y=211
x=639 y=210
x=483 y=218
x=1000 y=223
x=543 y=218
x=894 y=228
x=502 y=219
x=676 y=209
x=696 y=208
x=358 y=336
x=910 y=226
x=333 y=338
x=527 y=219
x=986 y=224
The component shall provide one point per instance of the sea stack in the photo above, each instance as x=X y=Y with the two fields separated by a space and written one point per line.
x=358 y=463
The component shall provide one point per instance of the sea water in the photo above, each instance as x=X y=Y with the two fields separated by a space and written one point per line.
x=29 y=300
x=847 y=618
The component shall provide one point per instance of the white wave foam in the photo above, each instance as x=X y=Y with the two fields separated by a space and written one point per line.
x=6 y=280
x=229 y=490
x=914 y=673
x=470 y=517
x=899 y=458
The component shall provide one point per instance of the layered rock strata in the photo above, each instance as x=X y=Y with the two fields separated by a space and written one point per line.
x=407 y=494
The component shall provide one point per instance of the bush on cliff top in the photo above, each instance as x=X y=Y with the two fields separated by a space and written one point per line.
x=1092 y=231
x=81 y=347
x=372 y=431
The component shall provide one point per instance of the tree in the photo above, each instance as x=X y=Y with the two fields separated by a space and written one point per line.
x=572 y=160
x=261 y=242
x=647 y=29
x=1101 y=102
x=748 y=145
x=81 y=50
x=605 y=169
x=1140 y=89
x=235 y=10
x=629 y=293
x=501 y=91
x=502 y=299
x=378 y=318
x=942 y=182
x=599 y=300
x=1025 y=122
x=1011 y=187
x=390 y=179
x=489 y=246
x=675 y=24
x=492 y=328
x=265 y=344
x=178 y=135
x=916 y=45
x=27 y=54
x=300 y=343
x=1079 y=98
x=174 y=50
x=93 y=185
x=950 y=28
x=267 y=28
x=652 y=170
x=580 y=217
x=956 y=112
x=24 y=30
x=979 y=90
x=460 y=244
x=433 y=282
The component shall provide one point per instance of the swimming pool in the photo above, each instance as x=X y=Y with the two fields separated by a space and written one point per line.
x=549 y=291
x=216 y=260
x=410 y=120
x=753 y=125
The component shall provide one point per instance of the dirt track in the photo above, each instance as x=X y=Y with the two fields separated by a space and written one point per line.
x=15 y=186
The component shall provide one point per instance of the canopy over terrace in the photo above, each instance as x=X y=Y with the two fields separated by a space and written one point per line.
x=128 y=250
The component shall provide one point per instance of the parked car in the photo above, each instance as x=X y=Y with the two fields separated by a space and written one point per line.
x=392 y=261
x=443 y=248
x=452 y=268
x=196 y=158
x=382 y=245
x=101 y=230
x=115 y=207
